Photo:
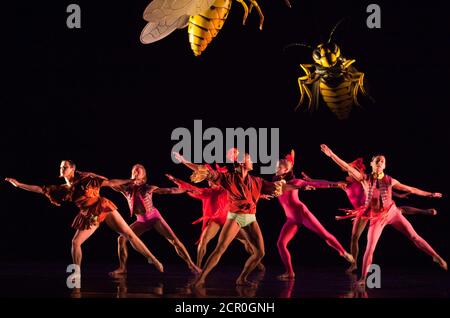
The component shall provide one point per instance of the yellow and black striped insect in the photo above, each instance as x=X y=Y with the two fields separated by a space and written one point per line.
x=204 y=19
x=333 y=77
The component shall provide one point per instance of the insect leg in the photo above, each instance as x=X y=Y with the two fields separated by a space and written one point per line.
x=244 y=5
x=302 y=82
x=255 y=4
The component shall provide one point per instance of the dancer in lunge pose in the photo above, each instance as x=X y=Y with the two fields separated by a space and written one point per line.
x=357 y=197
x=380 y=210
x=83 y=189
x=215 y=209
x=244 y=191
x=298 y=214
x=139 y=196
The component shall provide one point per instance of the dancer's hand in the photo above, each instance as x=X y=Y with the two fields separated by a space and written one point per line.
x=326 y=150
x=266 y=196
x=436 y=195
x=179 y=157
x=308 y=188
x=14 y=182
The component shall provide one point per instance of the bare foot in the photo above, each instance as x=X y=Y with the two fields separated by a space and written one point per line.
x=352 y=268
x=441 y=262
x=118 y=272
x=195 y=269
x=261 y=267
x=157 y=264
x=244 y=282
x=286 y=276
x=349 y=257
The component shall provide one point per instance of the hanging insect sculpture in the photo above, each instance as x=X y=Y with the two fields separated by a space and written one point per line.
x=333 y=77
x=204 y=19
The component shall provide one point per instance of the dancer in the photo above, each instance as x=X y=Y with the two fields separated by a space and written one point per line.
x=139 y=196
x=380 y=210
x=357 y=198
x=298 y=214
x=215 y=209
x=83 y=189
x=244 y=191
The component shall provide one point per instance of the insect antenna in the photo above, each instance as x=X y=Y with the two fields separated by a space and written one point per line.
x=296 y=44
x=335 y=28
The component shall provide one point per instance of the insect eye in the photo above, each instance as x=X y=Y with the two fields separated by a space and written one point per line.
x=335 y=48
x=316 y=55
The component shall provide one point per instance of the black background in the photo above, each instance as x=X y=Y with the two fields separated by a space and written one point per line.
x=101 y=98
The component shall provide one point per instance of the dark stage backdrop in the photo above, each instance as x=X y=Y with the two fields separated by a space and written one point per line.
x=101 y=98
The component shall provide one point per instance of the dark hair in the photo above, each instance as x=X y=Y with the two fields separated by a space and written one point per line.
x=379 y=155
x=70 y=162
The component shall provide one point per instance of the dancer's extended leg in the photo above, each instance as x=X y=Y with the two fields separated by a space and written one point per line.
x=138 y=228
x=227 y=235
x=287 y=233
x=208 y=234
x=164 y=229
x=118 y=224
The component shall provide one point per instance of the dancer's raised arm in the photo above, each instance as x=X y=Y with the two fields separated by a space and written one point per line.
x=187 y=163
x=403 y=187
x=341 y=163
x=28 y=187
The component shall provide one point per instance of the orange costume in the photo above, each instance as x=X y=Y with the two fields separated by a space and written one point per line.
x=85 y=193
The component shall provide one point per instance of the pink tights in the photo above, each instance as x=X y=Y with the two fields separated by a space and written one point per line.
x=401 y=224
x=290 y=229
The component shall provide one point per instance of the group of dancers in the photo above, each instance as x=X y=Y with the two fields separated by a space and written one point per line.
x=229 y=205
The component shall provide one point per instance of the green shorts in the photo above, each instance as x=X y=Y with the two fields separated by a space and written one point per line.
x=242 y=219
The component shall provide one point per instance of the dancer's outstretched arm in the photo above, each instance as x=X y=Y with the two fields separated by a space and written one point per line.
x=116 y=182
x=403 y=187
x=400 y=195
x=190 y=189
x=308 y=178
x=201 y=172
x=173 y=190
x=182 y=184
x=341 y=163
x=187 y=163
x=319 y=183
x=28 y=187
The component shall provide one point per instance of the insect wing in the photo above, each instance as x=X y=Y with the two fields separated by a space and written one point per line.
x=165 y=16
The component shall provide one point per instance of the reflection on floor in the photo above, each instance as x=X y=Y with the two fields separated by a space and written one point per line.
x=49 y=281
